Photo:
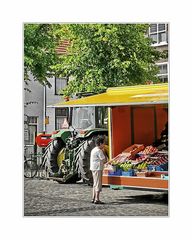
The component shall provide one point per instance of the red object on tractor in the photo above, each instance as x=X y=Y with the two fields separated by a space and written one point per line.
x=43 y=139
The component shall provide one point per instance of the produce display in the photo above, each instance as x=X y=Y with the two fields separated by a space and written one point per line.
x=149 y=150
x=147 y=159
x=141 y=166
x=121 y=158
x=126 y=166
x=158 y=159
x=133 y=150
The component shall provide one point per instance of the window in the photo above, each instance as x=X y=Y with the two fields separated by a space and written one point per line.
x=164 y=79
x=31 y=131
x=163 y=72
x=158 y=33
x=32 y=120
x=83 y=118
x=101 y=117
x=60 y=115
x=60 y=83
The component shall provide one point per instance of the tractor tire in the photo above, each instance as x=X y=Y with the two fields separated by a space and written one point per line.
x=53 y=151
x=83 y=159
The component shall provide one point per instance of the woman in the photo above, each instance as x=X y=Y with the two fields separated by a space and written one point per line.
x=97 y=160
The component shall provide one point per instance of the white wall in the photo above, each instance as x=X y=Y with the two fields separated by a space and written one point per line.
x=36 y=95
x=51 y=99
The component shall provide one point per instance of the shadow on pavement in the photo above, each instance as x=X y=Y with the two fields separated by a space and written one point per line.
x=147 y=198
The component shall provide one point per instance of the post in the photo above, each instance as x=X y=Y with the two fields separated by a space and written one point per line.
x=44 y=108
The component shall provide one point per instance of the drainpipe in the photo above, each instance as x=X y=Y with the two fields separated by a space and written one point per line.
x=44 y=108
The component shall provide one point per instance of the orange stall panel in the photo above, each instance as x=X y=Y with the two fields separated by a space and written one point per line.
x=161 y=118
x=143 y=125
x=153 y=183
x=136 y=125
x=121 y=129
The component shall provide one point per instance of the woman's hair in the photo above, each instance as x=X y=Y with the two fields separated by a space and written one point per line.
x=99 y=141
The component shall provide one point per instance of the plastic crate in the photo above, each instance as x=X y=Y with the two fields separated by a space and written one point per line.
x=130 y=172
x=162 y=167
x=159 y=168
x=151 y=167
x=115 y=173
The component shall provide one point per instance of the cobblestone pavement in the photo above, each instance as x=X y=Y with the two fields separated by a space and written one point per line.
x=49 y=198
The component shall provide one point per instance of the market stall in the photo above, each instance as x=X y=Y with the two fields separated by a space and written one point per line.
x=138 y=134
x=138 y=166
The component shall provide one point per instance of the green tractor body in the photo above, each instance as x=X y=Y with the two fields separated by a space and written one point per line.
x=62 y=134
x=68 y=153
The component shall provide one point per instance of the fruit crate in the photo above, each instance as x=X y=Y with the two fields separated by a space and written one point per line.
x=143 y=174
x=162 y=167
x=115 y=173
x=133 y=149
x=151 y=167
x=122 y=157
x=130 y=172
x=106 y=172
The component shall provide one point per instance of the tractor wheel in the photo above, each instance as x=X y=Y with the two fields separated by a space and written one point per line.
x=52 y=152
x=55 y=156
x=83 y=159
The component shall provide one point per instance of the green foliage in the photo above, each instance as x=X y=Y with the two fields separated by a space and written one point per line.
x=100 y=55
x=40 y=42
x=107 y=55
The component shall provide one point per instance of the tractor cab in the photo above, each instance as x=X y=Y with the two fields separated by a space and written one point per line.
x=86 y=118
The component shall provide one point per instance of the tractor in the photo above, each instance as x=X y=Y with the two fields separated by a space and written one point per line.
x=68 y=150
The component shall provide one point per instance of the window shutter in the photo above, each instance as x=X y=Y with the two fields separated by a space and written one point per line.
x=153 y=28
x=161 y=27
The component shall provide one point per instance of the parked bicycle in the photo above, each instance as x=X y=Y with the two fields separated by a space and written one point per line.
x=35 y=164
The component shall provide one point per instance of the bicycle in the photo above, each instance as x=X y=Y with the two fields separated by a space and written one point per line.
x=31 y=166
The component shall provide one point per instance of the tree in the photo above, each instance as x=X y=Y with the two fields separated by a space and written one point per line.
x=40 y=42
x=107 y=55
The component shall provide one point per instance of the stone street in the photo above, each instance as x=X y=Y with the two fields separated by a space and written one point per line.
x=49 y=198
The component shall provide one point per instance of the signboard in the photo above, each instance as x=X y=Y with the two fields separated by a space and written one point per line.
x=46 y=120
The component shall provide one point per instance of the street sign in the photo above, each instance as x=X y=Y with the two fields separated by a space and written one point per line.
x=46 y=120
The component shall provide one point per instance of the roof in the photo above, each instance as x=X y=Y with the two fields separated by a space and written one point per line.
x=62 y=48
x=118 y=96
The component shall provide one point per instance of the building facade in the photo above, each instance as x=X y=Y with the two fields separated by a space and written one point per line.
x=33 y=114
x=38 y=118
x=158 y=32
x=55 y=115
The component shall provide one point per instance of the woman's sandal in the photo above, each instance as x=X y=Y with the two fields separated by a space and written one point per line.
x=98 y=202
x=93 y=201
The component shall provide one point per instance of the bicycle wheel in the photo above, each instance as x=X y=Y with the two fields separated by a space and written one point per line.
x=30 y=168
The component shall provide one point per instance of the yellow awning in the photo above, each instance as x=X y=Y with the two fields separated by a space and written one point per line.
x=118 y=96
